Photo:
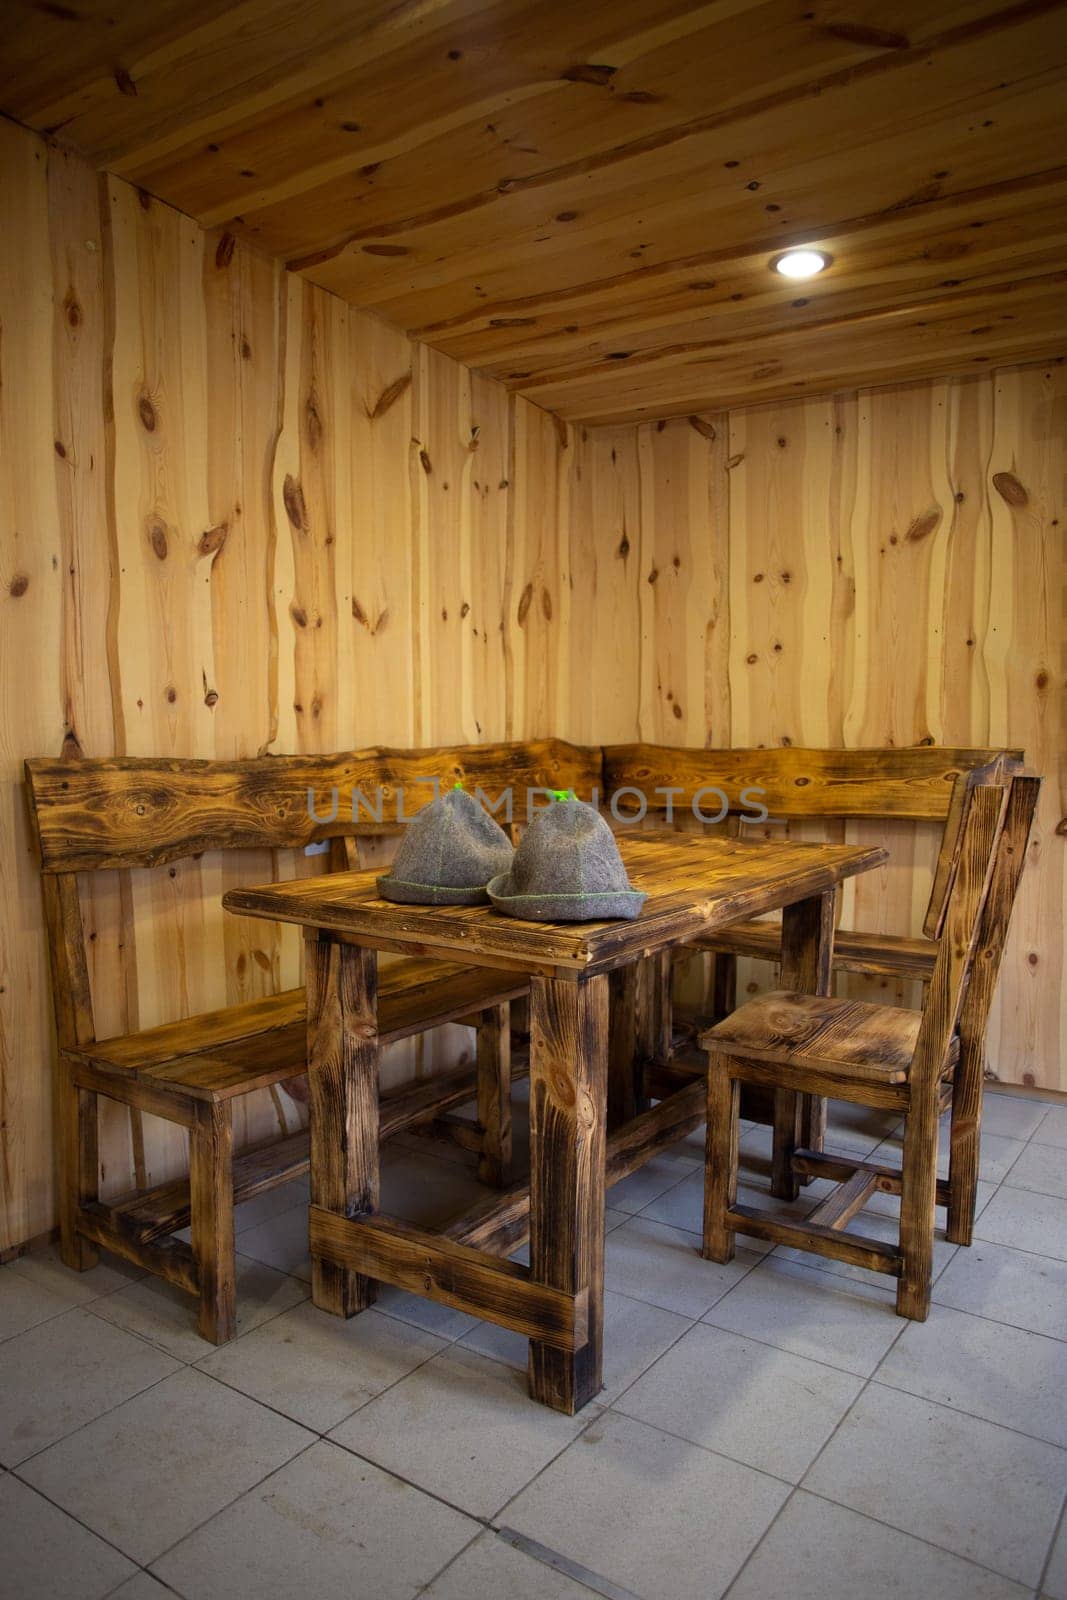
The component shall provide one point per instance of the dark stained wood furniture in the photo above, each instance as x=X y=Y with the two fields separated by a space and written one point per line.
x=693 y=884
x=924 y=784
x=900 y=1060
x=111 y=814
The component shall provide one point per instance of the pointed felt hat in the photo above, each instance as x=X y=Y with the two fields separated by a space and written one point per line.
x=567 y=869
x=449 y=852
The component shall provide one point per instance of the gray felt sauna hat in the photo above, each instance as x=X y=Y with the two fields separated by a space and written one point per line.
x=449 y=852
x=567 y=869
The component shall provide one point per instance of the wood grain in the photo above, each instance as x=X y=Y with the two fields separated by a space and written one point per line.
x=584 y=202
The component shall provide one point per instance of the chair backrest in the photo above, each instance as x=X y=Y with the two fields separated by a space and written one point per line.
x=919 y=783
x=994 y=835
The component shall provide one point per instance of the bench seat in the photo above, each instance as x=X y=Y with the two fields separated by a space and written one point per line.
x=889 y=954
x=220 y=1054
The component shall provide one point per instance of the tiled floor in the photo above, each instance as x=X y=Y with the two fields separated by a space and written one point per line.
x=769 y=1427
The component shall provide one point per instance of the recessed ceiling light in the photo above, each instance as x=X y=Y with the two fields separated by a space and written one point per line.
x=800 y=263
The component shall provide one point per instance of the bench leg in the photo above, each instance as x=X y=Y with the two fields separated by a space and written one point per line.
x=494 y=1095
x=720 y=1159
x=211 y=1218
x=724 y=985
x=79 y=1166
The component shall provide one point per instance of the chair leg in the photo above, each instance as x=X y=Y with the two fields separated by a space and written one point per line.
x=721 y=1158
x=78 y=1166
x=211 y=1209
x=785 y=1185
x=494 y=1095
x=918 y=1196
x=964 y=1140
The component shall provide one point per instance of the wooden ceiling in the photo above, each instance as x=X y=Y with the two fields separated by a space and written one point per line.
x=582 y=199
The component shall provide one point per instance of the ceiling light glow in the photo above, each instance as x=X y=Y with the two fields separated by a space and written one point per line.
x=801 y=263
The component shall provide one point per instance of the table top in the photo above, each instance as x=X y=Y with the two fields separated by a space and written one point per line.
x=694 y=885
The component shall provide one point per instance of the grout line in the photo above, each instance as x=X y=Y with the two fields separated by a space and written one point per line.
x=946 y=1405
x=1060 y=1530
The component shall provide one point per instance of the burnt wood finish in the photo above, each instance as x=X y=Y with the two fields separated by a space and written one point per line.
x=584 y=201
x=881 y=1056
x=342 y=1055
x=568 y=1115
x=493 y=1132
x=806 y=966
x=693 y=884
x=690 y=881
x=455 y=1274
x=140 y=811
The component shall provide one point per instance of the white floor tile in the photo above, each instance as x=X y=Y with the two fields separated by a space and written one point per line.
x=166 y=1316
x=250 y=1213
x=870 y=1225
x=819 y=1551
x=1015 y=1116
x=281 y=1242
x=427 y=1192
x=142 y=1586
x=1036 y=1222
x=1055 y=1584
x=966 y=1485
x=683 y=1206
x=326 y=1525
x=463 y=1427
x=655 y=1178
x=996 y=1153
x=1052 y=1128
x=431 y=1315
x=1003 y=1374
x=1041 y=1167
x=46 y=1555
x=153 y=1469
x=25 y=1303
x=1012 y=1286
x=635 y=1334
x=492 y=1569
x=44 y=1266
x=651 y=1512
x=749 y=1401
x=650 y=1261
x=810 y=1313
x=317 y=1368
x=63 y=1373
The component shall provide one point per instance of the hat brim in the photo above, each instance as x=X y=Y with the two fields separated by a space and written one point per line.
x=430 y=894
x=608 y=906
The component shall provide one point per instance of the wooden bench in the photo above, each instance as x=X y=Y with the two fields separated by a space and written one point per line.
x=92 y=816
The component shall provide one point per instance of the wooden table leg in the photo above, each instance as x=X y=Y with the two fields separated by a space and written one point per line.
x=342 y=1021
x=568 y=1095
x=639 y=1032
x=806 y=967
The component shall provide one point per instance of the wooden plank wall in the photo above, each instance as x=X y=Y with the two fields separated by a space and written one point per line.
x=235 y=515
x=879 y=568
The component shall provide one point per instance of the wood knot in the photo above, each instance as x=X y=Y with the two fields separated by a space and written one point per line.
x=923 y=526
x=589 y=72
x=1010 y=489
x=385 y=250
x=293 y=499
x=147 y=412
x=525 y=601
x=211 y=542
x=224 y=251
x=124 y=83
x=389 y=396
x=18 y=586
x=702 y=427
x=157 y=538
x=427 y=464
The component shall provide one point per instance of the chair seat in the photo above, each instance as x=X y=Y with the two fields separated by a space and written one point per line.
x=260 y=1042
x=849 y=1039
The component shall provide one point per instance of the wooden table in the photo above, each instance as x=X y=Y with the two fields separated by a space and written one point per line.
x=694 y=884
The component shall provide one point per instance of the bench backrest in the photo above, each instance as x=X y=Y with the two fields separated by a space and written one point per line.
x=98 y=815
x=919 y=783
x=141 y=812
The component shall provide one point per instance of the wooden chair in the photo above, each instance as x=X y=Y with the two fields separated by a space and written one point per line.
x=906 y=1061
x=92 y=816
